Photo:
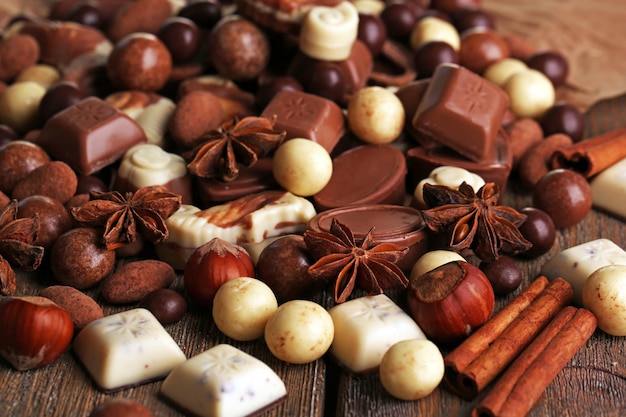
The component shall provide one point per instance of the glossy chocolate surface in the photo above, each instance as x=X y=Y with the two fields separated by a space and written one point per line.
x=90 y=135
x=462 y=111
x=368 y=174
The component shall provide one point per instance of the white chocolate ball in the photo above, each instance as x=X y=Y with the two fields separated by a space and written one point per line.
x=299 y=332
x=433 y=259
x=604 y=294
x=242 y=307
x=430 y=29
x=376 y=115
x=411 y=369
x=302 y=167
x=46 y=75
x=499 y=72
x=19 y=105
x=530 y=93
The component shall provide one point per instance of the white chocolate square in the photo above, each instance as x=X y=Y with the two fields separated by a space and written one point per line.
x=366 y=327
x=223 y=381
x=127 y=349
x=608 y=189
x=577 y=263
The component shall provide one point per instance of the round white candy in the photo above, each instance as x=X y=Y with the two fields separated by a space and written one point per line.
x=376 y=115
x=430 y=29
x=499 y=72
x=604 y=294
x=530 y=93
x=302 y=167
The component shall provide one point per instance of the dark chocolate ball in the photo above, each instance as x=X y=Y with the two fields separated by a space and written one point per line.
x=54 y=219
x=432 y=54
x=372 y=32
x=399 y=19
x=238 y=49
x=204 y=13
x=89 y=183
x=182 y=37
x=269 y=89
x=564 y=118
x=503 y=274
x=58 y=97
x=481 y=48
x=552 y=64
x=451 y=6
x=466 y=19
x=87 y=14
x=326 y=80
x=564 y=195
x=167 y=305
x=539 y=230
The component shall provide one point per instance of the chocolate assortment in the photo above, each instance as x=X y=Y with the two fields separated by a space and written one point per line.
x=314 y=154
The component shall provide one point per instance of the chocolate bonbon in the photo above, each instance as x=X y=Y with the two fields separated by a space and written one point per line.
x=462 y=111
x=90 y=135
x=127 y=349
x=608 y=190
x=223 y=381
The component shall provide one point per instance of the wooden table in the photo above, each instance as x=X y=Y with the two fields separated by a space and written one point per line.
x=593 y=383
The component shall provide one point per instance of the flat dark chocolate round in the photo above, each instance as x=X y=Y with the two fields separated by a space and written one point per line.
x=368 y=174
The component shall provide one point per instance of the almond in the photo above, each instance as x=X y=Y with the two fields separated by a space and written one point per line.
x=133 y=281
x=82 y=308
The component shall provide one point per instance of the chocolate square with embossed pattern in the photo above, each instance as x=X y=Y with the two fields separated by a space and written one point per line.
x=308 y=116
x=463 y=111
x=90 y=135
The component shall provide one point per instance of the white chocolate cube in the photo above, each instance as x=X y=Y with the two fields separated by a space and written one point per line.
x=366 y=327
x=575 y=264
x=223 y=381
x=608 y=189
x=127 y=349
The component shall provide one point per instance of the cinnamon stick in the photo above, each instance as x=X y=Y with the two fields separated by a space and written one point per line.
x=591 y=156
x=521 y=386
x=485 y=354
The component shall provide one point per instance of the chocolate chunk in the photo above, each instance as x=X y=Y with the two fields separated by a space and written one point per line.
x=368 y=174
x=90 y=135
x=308 y=116
x=462 y=111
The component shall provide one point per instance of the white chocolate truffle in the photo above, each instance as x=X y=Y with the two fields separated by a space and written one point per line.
x=366 y=327
x=434 y=259
x=604 y=294
x=126 y=349
x=577 y=263
x=223 y=382
x=45 y=75
x=430 y=29
x=328 y=33
x=299 y=332
x=499 y=72
x=19 y=105
x=530 y=93
x=302 y=166
x=376 y=115
x=449 y=176
x=242 y=307
x=411 y=369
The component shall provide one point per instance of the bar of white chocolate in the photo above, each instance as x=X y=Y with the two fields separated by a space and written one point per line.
x=223 y=381
x=250 y=219
x=366 y=327
x=127 y=349
x=608 y=189
x=575 y=264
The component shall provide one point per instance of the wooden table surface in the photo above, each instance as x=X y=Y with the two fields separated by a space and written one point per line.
x=592 y=384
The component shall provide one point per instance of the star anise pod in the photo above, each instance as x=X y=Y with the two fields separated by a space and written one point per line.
x=234 y=142
x=17 y=237
x=340 y=258
x=474 y=221
x=123 y=216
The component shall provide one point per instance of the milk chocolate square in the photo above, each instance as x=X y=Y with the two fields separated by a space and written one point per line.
x=304 y=115
x=461 y=110
x=90 y=135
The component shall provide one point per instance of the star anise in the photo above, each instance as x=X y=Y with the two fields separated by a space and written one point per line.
x=340 y=258
x=474 y=221
x=234 y=142
x=123 y=216
x=17 y=237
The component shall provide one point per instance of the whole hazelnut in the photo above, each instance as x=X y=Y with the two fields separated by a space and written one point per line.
x=139 y=61
x=238 y=49
x=79 y=259
x=54 y=219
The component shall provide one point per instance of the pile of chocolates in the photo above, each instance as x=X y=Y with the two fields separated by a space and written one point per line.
x=362 y=145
